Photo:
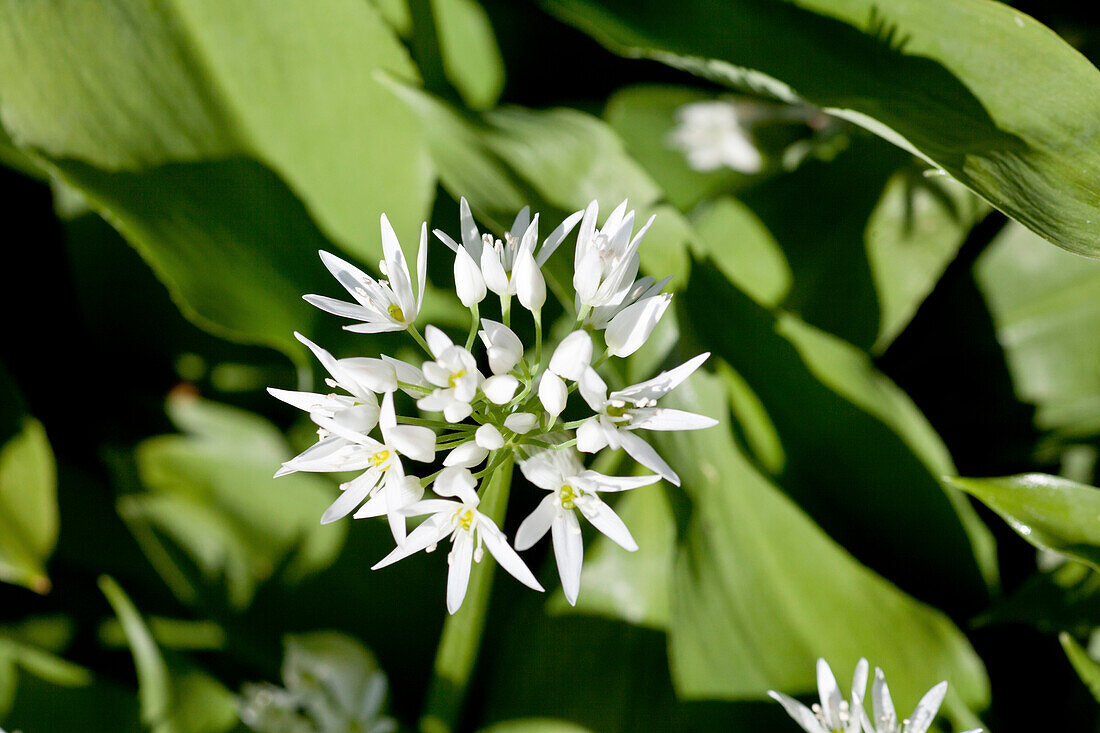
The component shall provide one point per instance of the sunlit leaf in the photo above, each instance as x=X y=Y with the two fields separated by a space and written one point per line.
x=909 y=73
x=1051 y=513
x=471 y=58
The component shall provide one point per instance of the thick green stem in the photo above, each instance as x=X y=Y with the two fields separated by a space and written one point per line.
x=458 y=646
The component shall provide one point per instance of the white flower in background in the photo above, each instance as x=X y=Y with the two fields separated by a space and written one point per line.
x=606 y=261
x=716 y=134
x=512 y=413
x=622 y=412
x=886 y=719
x=382 y=305
x=834 y=714
x=455 y=376
x=572 y=490
x=469 y=531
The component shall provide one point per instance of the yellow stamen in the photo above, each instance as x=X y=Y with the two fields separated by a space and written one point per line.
x=379 y=458
x=396 y=313
x=568 y=495
x=455 y=377
x=465 y=518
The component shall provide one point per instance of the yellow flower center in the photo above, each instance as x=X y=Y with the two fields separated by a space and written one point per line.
x=379 y=458
x=615 y=411
x=465 y=518
x=568 y=496
x=455 y=377
x=396 y=313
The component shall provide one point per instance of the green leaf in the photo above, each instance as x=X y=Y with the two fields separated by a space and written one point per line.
x=196 y=127
x=471 y=57
x=759 y=591
x=851 y=444
x=28 y=494
x=211 y=493
x=1051 y=513
x=173 y=700
x=1087 y=668
x=1045 y=305
x=534 y=725
x=908 y=72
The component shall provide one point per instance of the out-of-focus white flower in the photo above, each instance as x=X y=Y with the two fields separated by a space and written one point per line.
x=455 y=376
x=714 y=134
x=381 y=305
x=469 y=531
x=834 y=714
x=622 y=412
x=606 y=261
x=573 y=489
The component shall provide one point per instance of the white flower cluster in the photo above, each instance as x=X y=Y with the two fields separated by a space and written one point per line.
x=512 y=412
x=836 y=715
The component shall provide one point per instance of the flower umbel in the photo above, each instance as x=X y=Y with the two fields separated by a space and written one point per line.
x=503 y=405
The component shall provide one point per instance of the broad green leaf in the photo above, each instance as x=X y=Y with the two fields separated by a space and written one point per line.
x=211 y=493
x=866 y=236
x=1087 y=668
x=851 y=444
x=908 y=72
x=471 y=57
x=214 y=135
x=1051 y=513
x=759 y=591
x=1045 y=305
x=173 y=699
x=534 y=725
x=28 y=494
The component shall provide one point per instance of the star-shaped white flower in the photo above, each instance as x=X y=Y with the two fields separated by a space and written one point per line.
x=381 y=305
x=455 y=375
x=606 y=260
x=512 y=266
x=643 y=288
x=573 y=489
x=381 y=459
x=469 y=531
x=886 y=719
x=834 y=714
x=622 y=412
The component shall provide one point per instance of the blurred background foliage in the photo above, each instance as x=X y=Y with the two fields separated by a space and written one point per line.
x=879 y=328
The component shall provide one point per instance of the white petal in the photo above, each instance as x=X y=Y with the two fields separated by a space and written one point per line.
x=884 y=712
x=456 y=411
x=375 y=327
x=361 y=418
x=521 y=222
x=799 y=712
x=553 y=393
x=586 y=277
x=628 y=330
x=542 y=471
x=644 y=454
x=499 y=548
x=829 y=691
x=468 y=454
x=421 y=270
x=590 y=437
x=530 y=285
x=926 y=709
x=397 y=270
x=387 y=417
x=504 y=346
x=592 y=481
x=488 y=437
x=438 y=341
x=536 y=525
x=339 y=307
x=458 y=482
x=593 y=389
x=662 y=418
x=859 y=683
x=414 y=441
x=458 y=576
x=558 y=236
x=430 y=532
x=604 y=518
x=500 y=388
x=406 y=373
x=352 y=496
x=569 y=553
x=573 y=355
x=587 y=230
x=663 y=383
x=372 y=374
x=348 y=275
x=496 y=279
x=521 y=422
x=446 y=239
x=469 y=283
x=396 y=499
x=471 y=238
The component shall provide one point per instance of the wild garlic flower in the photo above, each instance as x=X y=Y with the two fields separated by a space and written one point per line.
x=836 y=715
x=717 y=134
x=490 y=401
